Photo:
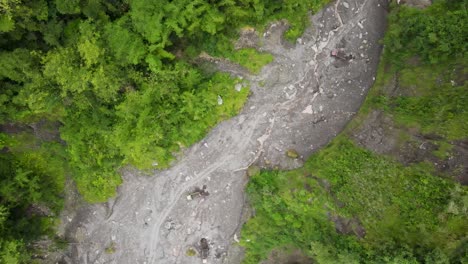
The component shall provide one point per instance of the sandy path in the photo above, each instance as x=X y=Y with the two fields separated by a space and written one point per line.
x=300 y=101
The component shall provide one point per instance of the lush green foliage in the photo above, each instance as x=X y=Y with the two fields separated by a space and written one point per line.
x=435 y=34
x=409 y=214
x=31 y=177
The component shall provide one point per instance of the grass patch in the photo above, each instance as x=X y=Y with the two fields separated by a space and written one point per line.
x=297 y=16
x=444 y=150
x=437 y=105
x=251 y=59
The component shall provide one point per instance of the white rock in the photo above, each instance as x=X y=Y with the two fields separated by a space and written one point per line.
x=345 y=4
x=220 y=100
x=308 y=110
x=238 y=87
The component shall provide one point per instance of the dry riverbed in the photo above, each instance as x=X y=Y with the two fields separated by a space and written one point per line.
x=299 y=102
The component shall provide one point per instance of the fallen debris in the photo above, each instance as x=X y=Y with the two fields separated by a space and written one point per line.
x=198 y=192
x=204 y=249
x=341 y=54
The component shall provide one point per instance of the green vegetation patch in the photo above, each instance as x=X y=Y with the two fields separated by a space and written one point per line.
x=405 y=211
x=434 y=33
x=251 y=59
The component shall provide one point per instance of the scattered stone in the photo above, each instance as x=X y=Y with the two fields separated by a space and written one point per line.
x=168 y=225
x=238 y=87
x=345 y=4
x=220 y=100
x=198 y=192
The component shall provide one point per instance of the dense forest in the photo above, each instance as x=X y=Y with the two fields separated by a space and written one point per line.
x=350 y=204
x=89 y=86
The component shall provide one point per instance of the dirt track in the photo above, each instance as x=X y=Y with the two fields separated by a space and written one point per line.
x=300 y=101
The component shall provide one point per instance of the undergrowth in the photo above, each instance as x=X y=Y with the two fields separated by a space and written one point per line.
x=408 y=213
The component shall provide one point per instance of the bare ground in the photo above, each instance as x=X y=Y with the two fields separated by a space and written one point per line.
x=300 y=101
